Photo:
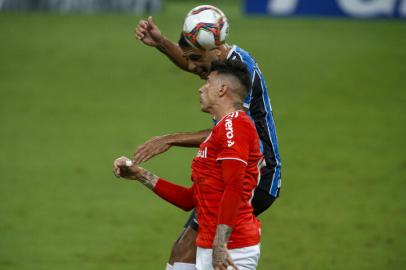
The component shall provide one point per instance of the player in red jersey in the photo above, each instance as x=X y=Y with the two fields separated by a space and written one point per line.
x=258 y=105
x=225 y=173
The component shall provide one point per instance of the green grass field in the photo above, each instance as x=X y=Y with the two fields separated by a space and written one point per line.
x=77 y=91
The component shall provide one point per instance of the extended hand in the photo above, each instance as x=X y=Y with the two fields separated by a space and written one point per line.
x=148 y=32
x=150 y=148
x=221 y=259
x=124 y=167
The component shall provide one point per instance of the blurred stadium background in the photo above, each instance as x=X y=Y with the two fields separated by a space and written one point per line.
x=77 y=90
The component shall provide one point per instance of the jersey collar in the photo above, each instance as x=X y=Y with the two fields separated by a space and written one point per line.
x=240 y=111
x=231 y=51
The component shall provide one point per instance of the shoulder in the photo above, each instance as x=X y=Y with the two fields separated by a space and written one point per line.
x=236 y=131
x=244 y=56
x=241 y=54
x=237 y=121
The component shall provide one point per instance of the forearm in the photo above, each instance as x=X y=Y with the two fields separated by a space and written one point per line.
x=177 y=195
x=221 y=258
x=180 y=196
x=233 y=177
x=229 y=207
x=188 y=139
x=223 y=233
x=145 y=177
x=173 y=52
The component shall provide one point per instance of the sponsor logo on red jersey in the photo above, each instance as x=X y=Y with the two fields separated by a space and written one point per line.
x=229 y=132
x=202 y=153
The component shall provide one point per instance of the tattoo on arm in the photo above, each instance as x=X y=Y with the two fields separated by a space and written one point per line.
x=223 y=233
x=220 y=256
x=148 y=179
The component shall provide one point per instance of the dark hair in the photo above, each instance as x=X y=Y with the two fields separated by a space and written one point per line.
x=235 y=68
x=182 y=42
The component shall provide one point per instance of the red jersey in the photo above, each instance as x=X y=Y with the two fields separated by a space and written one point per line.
x=234 y=137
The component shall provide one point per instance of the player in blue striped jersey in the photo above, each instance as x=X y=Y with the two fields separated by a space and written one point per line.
x=257 y=104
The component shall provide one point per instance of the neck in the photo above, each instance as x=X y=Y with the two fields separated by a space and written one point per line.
x=218 y=112
x=225 y=49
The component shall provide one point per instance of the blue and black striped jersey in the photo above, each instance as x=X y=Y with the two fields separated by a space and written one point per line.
x=260 y=110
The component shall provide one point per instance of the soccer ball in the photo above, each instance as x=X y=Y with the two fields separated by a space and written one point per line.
x=205 y=27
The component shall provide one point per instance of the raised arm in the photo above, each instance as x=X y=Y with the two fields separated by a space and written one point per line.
x=160 y=144
x=179 y=196
x=149 y=34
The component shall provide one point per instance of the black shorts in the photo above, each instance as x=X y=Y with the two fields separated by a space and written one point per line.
x=261 y=201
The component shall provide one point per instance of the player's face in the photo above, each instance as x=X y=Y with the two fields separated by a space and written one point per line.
x=208 y=92
x=199 y=61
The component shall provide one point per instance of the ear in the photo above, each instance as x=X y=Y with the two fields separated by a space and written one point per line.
x=222 y=90
x=217 y=52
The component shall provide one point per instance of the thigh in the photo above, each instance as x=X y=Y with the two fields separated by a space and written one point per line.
x=184 y=248
x=246 y=258
x=204 y=259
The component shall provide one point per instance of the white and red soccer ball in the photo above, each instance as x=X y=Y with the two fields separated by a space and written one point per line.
x=205 y=27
